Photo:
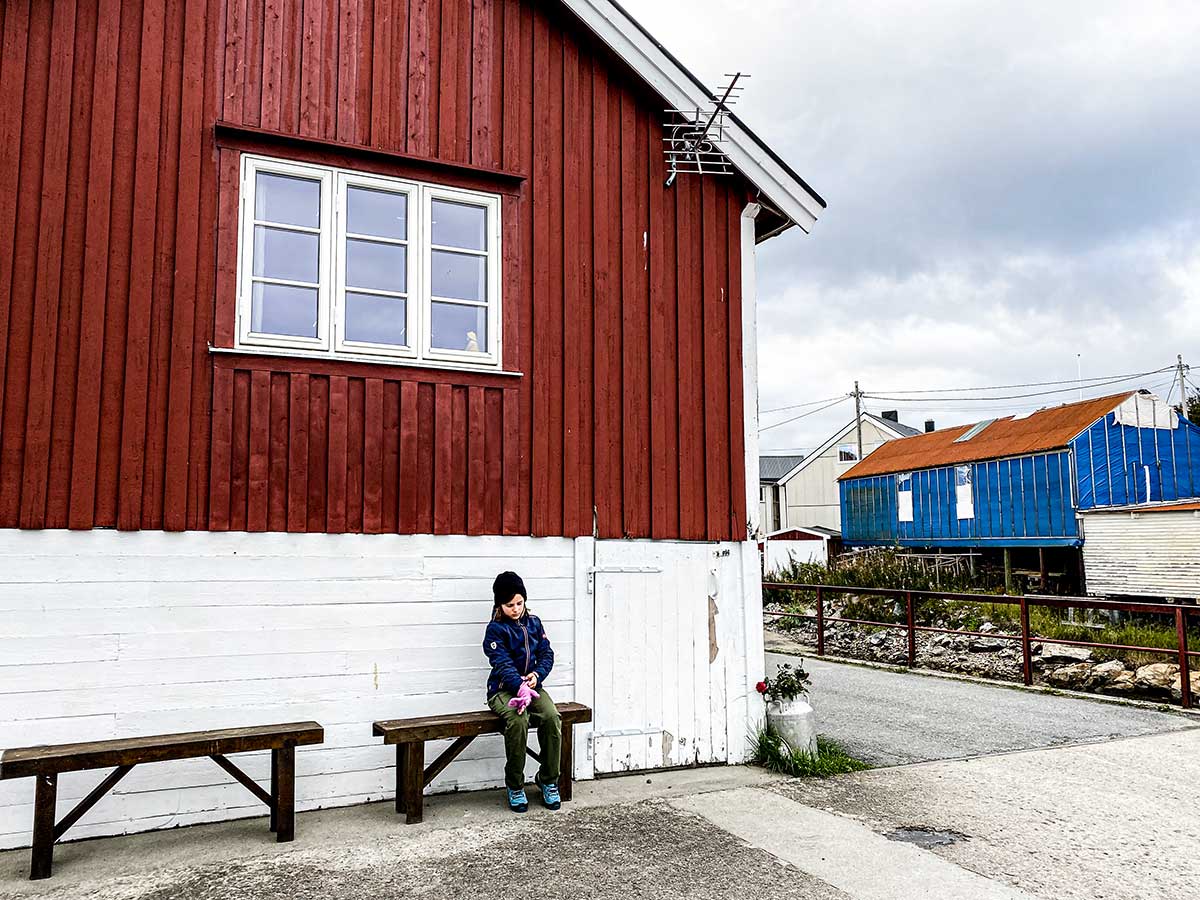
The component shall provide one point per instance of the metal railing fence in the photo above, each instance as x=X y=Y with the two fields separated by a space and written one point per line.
x=1179 y=613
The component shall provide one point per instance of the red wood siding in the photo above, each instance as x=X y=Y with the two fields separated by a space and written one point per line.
x=118 y=209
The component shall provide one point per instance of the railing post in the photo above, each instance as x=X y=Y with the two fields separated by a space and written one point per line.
x=912 y=629
x=1185 y=678
x=1026 y=652
x=820 y=622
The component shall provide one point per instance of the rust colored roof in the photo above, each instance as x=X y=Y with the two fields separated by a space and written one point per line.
x=1173 y=507
x=1046 y=429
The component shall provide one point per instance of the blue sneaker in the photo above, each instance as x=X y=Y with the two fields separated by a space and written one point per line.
x=517 y=801
x=550 y=798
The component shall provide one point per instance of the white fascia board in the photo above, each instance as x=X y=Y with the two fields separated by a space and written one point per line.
x=613 y=26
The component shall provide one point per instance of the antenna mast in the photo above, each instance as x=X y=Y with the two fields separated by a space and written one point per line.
x=693 y=136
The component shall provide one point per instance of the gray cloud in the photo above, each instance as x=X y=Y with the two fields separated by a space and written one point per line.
x=1009 y=185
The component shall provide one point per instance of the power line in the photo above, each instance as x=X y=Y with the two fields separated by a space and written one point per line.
x=1074 y=382
x=1067 y=390
x=934 y=405
x=763 y=412
x=813 y=412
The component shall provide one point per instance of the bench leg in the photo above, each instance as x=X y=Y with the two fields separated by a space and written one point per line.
x=274 y=790
x=567 y=762
x=400 y=756
x=284 y=768
x=44 y=803
x=414 y=780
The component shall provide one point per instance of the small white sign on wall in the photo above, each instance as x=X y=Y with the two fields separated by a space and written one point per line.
x=904 y=497
x=964 y=497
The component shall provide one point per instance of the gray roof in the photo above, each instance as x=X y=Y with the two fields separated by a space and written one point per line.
x=772 y=468
x=905 y=430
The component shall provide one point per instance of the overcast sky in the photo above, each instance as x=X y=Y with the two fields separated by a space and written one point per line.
x=1009 y=184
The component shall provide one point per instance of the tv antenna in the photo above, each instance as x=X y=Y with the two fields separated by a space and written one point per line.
x=693 y=136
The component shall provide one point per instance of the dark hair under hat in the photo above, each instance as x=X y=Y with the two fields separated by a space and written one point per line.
x=506 y=586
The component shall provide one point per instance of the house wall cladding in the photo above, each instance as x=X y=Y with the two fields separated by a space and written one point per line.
x=116 y=227
x=1024 y=499
x=1123 y=464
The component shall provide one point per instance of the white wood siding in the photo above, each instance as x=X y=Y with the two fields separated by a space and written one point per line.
x=110 y=634
x=812 y=493
x=1150 y=554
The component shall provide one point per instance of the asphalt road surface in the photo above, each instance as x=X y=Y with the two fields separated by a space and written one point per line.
x=892 y=718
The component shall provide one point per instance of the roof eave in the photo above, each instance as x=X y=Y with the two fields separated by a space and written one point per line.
x=761 y=166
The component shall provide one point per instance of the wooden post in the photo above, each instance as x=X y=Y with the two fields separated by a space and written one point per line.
x=1185 y=677
x=1008 y=582
x=400 y=805
x=1026 y=652
x=567 y=763
x=912 y=628
x=285 y=794
x=820 y=622
x=414 y=780
x=45 y=797
x=1043 y=571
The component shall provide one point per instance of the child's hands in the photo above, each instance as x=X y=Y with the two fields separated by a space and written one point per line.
x=531 y=679
x=525 y=696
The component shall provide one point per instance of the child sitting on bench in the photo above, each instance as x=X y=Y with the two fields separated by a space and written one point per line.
x=517 y=647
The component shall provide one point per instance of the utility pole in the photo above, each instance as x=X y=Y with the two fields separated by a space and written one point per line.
x=1183 y=397
x=858 y=417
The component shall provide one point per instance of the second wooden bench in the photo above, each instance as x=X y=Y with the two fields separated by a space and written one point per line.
x=410 y=735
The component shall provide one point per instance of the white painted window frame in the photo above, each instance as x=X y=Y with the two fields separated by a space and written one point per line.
x=330 y=341
x=491 y=254
x=411 y=192
x=251 y=165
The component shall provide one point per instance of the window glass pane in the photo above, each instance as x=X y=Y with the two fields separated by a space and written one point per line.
x=289 y=255
x=456 y=327
x=383 y=267
x=459 y=276
x=376 y=320
x=459 y=225
x=379 y=213
x=281 y=309
x=287 y=199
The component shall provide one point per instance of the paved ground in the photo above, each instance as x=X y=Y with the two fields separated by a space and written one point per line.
x=892 y=718
x=1109 y=821
x=1104 y=819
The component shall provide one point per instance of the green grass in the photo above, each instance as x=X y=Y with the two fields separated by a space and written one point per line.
x=771 y=752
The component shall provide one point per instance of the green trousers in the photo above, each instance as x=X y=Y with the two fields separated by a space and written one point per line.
x=543 y=715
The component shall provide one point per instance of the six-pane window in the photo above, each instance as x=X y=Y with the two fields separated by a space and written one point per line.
x=364 y=266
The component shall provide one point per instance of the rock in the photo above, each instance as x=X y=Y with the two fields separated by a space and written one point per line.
x=1158 y=677
x=877 y=639
x=1062 y=653
x=1177 y=687
x=1072 y=676
x=985 y=645
x=1107 y=671
x=1122 y=684
x=987 y=628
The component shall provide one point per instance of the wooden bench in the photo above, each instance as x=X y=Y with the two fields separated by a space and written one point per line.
x=410 y=735
x=46 y=762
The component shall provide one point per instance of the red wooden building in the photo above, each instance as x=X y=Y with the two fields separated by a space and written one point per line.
x=399 y=268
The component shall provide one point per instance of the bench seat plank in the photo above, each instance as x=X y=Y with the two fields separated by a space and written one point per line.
x=25 y=761
x=432 y=728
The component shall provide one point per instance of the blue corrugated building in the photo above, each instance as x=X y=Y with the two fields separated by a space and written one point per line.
x=1020 y=481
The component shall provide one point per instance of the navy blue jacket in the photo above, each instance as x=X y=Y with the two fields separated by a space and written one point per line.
x=515 y=649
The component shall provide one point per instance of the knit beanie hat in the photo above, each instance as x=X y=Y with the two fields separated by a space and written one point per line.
x=506 y=586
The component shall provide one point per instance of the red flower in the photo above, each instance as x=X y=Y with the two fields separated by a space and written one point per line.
x=761 y=687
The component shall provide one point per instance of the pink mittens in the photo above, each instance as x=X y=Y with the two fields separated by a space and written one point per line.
x=525 y=696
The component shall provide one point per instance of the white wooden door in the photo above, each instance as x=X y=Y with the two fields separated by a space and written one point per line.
x=659 y=675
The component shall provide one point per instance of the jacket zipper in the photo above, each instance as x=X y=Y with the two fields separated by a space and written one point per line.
x=525 y=629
